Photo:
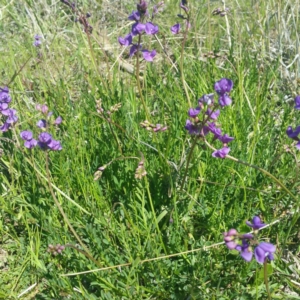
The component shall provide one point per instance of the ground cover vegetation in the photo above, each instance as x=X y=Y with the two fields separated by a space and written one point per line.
x=149 y=150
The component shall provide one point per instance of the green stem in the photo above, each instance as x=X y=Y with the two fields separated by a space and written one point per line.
x=181 y=63
x=266 y=279
x=137 y=74
x=188 y=163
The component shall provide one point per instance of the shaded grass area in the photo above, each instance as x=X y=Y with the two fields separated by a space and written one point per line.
x=119 y=218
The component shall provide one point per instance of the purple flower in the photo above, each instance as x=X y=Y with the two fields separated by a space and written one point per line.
x=3 y=106
x=256 y=223
x=142 y=7
x=26 y=135
x=298 y=145
x=223 y=86
x=206 y=99
x=4 y=95
x=264 y=250
x=297 y=102
x=54 y=145
x=217 y=132
x=58 y=120
x=192 y=129
x=30 y=144
x=221 y=153
x=175 y=28
x=11 y=114
x=5 y=127
x=245 y=250
x=137 y=28
x=247 y=236
x=293 y=134
x=134 y=16
x=42 y=108
x=213 y=115
x=151 y=29
x=194 y=112
x=42 y=123
x=229 y=238
x=148 y=56
x=183 y=4
x=126 y=41
x=44 y=139
x=224 y=100
x=225 y=139
x=133 y=49
x=37 y=41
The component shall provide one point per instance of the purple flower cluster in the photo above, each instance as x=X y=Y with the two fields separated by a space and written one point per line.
x=8 y=113
x=138 y=29
x=245 y=242
x=293 y=134
x=207 y=108
x=45 y=140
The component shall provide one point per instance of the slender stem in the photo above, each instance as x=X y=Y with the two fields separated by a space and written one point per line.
x=87 y=252
x=18 y=72
x=137 y=74
x=188 y=163
x=266 y=279
x=181 y=62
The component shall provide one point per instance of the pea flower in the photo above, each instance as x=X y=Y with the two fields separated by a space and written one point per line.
x=264 y=250
x=194 y=112
x=134 y=16
x=245 y=251
x=175 y=28
x=256 y=223
x=138 y=28
x=4 y=95
x=151 y=29
x=148 y=56
x=126 y=41
x=27 y=136
x=37 y=41
x=223 y=88
x=297 y=102
x=221 y=153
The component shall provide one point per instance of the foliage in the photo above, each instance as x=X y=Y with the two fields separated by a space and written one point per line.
x=126 y=178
